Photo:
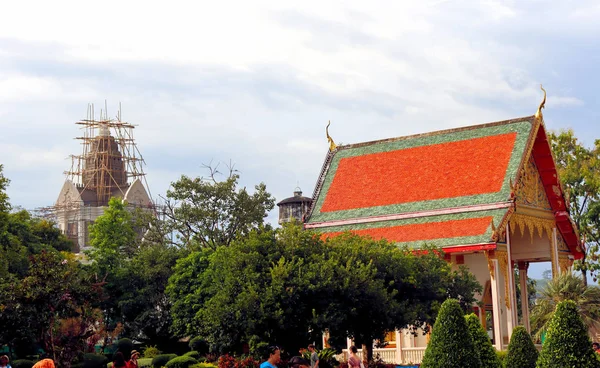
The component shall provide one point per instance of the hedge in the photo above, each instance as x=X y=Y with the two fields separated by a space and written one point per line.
x=183 y=361
x=482 y=343
x=567 y=342
x=521 y=350
x=160 y=361
x=451 y=345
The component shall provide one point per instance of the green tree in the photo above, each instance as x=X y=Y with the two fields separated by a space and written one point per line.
x=521 y=350
x=579 y=171
x=4 y=203
x=55 y=300
x=112 y=237
x=287 y=286
x=143 y=303
x=209 y=213
x=567 y=343
x=483 y=344
x=566 y=286
x=451 y=344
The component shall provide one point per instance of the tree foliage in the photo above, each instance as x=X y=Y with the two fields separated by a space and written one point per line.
x=208 y=213
x=579 y=171
x=55 y=301
x=451 y=344
x=566 y=286
x=483 y=344
x=287 y=286
x=521 y=350
x=567 y=343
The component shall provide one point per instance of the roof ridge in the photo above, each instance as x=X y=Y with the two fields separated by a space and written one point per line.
x=530 y=119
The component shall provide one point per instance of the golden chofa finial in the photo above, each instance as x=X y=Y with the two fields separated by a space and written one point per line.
x=332 y=145
x=538 y=113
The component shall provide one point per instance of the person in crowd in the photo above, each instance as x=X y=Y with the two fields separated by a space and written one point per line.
x=273 y=359
x=4 y=361
x=314 y=356
x=353 y=360
x=119 y=360
x=133 y=361
x=596 y=347
x=44 y=363
x=299 y=362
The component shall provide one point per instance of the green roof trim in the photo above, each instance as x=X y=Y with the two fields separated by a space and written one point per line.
x=497 y=216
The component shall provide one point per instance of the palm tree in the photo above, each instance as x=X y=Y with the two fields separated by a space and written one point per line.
x=566 y=287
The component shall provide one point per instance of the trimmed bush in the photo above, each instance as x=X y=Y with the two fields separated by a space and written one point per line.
x=194 y=354
x=94 y=361
x=199 y=344
x=22 y=363
x=501 y=357
x=451 y=345
x=181 y=362
x=125 y=346
x=151 y=352
x=482 y=343
x=204 y=365
x=567 y=342
x=145 y=362
x=160 y=361
x=521 y=350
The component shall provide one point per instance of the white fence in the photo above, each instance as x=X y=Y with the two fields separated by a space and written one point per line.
x=394 y=356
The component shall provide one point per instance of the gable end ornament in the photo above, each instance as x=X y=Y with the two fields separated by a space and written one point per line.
x=332 y=145
x=538 y=113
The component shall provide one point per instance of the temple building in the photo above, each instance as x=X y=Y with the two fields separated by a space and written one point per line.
x=109 y=166
x=488 y=195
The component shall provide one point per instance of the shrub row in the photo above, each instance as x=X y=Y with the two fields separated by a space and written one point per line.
x=457 y=341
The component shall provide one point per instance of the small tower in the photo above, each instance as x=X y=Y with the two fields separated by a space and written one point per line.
x=294 y=207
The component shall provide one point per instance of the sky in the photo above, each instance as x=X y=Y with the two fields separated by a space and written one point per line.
x=255 y=82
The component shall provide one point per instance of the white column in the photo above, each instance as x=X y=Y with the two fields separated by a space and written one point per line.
x=554 y=258
x=496 y=304
x=524 y=295
x=398 y=347
x=511 y=319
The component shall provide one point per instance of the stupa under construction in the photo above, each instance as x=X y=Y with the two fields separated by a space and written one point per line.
x=110 y=165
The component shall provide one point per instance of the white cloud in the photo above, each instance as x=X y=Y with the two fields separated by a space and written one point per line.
x=256 y=82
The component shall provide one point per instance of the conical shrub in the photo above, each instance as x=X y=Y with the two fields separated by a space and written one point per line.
x=482 y=343
x=567 y=343
x=521 y=350
x=451 y=345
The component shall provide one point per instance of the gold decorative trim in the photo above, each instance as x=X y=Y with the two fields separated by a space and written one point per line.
x=538 y=113
x=490 y=263
x=529 y=189
x=503 y=264
x=564 y=263
x=532 y=223
x=332 y=145
x=560 y=243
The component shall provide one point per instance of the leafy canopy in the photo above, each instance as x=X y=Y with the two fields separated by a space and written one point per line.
x=579 y=171
x=286 y=286
x=208 y=213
